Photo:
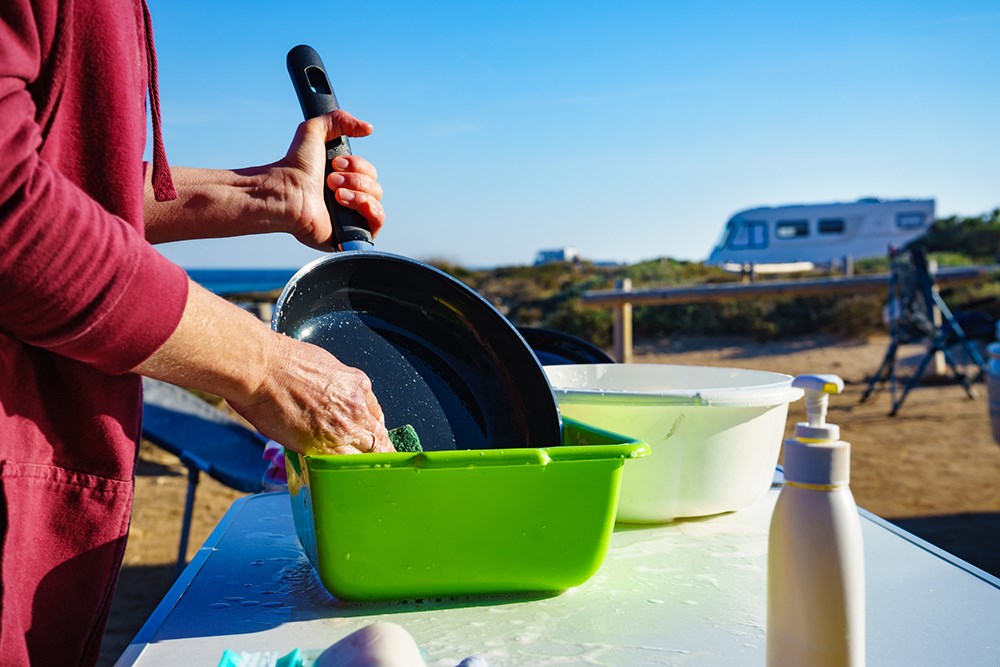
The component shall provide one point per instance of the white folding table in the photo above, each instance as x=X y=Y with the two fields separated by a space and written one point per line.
x=689 y=593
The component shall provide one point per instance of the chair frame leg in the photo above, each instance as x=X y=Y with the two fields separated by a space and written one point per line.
x=884 y=372
x=193 y=477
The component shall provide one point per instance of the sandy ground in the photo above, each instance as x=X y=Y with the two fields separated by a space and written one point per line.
x=934 y=469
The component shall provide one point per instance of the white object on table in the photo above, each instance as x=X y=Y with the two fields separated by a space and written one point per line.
x=815 y=566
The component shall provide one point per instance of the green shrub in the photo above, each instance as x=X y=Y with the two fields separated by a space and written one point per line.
x=593 y=324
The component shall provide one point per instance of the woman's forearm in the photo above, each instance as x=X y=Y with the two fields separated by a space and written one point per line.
x=216 y=203
x=217 y=347
x=295 y=393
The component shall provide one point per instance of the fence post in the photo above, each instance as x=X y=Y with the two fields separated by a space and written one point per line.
x=623 y=324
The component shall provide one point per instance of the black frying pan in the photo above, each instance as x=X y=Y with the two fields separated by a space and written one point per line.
x=440 y=357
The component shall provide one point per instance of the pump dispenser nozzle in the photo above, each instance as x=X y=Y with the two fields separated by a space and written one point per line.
x=818 y=388
x=816 y=455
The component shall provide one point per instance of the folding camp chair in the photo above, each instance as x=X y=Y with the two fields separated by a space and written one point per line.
x=205 y=439
x=913 y=300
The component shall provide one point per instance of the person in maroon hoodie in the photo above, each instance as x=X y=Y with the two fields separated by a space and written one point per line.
x=88 y=305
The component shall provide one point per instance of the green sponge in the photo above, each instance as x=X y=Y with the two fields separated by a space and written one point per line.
x=405 y=439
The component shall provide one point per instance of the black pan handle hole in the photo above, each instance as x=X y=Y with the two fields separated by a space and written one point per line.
x=318 y=81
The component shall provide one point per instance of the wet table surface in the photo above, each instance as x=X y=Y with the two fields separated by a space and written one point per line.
x=689 y=593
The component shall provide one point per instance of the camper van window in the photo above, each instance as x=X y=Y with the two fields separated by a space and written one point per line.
x=910 y=220
x=748 y=234
x=831 y=226
x=791 y=229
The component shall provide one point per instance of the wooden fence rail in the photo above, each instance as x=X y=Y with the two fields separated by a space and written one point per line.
x=623 y=297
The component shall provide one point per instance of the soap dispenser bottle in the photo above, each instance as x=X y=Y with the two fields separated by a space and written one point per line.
x=815 y=562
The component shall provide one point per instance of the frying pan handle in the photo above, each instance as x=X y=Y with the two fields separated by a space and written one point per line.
x=315 y=93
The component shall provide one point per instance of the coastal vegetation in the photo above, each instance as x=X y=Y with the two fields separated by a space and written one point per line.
x=549 y=295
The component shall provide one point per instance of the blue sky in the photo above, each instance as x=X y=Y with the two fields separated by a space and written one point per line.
x=628 y=130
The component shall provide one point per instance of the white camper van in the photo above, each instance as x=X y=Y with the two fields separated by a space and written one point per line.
x=801 y=236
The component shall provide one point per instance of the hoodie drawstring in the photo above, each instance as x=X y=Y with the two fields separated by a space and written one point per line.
x=163 y=184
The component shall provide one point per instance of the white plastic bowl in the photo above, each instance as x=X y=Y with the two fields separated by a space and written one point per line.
x=715 y=432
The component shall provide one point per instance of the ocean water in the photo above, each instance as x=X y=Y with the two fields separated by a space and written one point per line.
x=238 y=281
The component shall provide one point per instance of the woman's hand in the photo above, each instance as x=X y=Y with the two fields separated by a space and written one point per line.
x=311 y=403
x=354 y=179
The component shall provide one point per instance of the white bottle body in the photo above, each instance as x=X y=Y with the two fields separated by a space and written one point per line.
x=816 y=580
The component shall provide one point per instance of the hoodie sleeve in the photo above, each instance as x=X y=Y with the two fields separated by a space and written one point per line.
x=74 y=278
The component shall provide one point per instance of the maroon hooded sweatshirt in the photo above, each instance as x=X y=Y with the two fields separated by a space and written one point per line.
x=83 y=299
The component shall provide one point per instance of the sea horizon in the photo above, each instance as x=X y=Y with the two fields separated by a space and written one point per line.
x=225 y=281
x=239 y=281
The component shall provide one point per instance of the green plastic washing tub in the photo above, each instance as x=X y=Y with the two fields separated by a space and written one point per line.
x=461 y=522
